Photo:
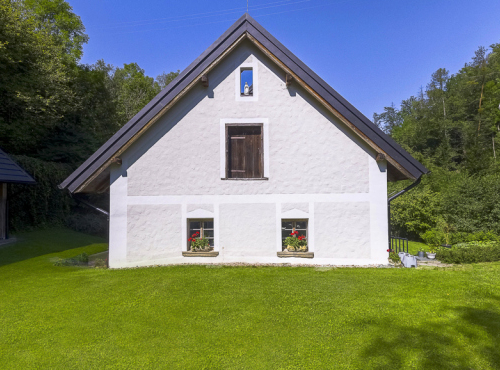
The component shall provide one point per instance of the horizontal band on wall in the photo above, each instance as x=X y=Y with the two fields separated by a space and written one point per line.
x=254 y=198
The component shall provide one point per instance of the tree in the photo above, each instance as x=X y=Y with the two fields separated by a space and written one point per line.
x=132 y=90
x=58 y=20
x=34 y=88
x=389 y=119
x=165 y=78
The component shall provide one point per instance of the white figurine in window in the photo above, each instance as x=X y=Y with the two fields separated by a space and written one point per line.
x=246 y=89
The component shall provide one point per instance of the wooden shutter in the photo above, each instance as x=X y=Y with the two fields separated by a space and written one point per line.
x=244 y=152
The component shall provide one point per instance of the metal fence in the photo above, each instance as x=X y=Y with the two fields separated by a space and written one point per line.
x=399 y=244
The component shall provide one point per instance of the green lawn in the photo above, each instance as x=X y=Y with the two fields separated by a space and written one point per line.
x=195 y=317
x=414 y=247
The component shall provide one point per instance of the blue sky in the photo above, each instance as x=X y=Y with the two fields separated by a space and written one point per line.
x=372 y=52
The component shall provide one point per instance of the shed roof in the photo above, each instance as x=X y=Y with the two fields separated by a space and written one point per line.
x=10 y=171
x=93 y=174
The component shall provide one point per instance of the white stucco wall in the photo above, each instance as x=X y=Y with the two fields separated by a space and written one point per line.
x=317 y=170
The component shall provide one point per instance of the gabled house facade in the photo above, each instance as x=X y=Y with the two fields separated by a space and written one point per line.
x=245 y=147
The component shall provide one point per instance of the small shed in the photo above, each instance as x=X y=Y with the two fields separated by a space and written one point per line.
x=10 y=172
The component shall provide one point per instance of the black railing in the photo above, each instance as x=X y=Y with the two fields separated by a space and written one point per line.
x=399 y=244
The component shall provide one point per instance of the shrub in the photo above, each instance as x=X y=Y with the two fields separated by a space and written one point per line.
x=415 y=212
x=471 y=252
x=394 y=257
x=80 y=260
x=100 y=263
x=436 y=237
x=42 y=203
x=433 y=237
x=482 y=236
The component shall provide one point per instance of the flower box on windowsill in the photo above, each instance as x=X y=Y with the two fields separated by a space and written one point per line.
x=286 y=253
x=200 y=254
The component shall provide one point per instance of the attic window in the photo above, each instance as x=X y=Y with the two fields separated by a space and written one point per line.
x=246 y=81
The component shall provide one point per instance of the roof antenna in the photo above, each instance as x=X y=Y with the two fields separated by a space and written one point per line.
x=247 y=6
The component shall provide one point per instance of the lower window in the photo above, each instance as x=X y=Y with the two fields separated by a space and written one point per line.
x=200 y=234
x=294 y=235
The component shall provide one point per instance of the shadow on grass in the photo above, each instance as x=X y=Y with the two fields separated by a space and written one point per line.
x=468 y=339
x=41 y=242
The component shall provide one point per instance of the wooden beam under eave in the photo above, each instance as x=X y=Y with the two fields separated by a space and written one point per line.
x=117 y=160
x=288 y=79
x=204 y=80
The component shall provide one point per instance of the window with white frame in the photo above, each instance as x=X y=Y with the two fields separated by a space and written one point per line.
x=246 y=78
x=201 y=228
x=246 y=81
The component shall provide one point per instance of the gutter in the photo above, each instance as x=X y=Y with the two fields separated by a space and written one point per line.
x=408 y=188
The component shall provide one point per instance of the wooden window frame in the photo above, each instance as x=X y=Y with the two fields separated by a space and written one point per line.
x=261 y=125
x=201 y=220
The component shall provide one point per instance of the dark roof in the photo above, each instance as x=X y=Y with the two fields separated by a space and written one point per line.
x=246 y=24
x=11 y=172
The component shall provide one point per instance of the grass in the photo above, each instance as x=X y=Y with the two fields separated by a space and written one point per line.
x=195 y=317
x=415 y=247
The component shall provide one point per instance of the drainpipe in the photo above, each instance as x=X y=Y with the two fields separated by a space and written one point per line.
x=408 y=188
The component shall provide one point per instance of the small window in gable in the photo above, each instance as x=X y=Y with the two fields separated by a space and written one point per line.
x=246 y=81
x=201 y=234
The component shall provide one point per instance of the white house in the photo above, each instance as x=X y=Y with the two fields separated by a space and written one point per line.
x=246 y=146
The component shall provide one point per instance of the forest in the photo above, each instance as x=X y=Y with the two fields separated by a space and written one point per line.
x=56 y=112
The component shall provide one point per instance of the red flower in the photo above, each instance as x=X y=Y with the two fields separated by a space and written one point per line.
x=197 y=233
x=292 y=234
x=302 y=237
x=193 y=235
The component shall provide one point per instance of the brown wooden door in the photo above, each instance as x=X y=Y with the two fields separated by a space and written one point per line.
x=244 y=152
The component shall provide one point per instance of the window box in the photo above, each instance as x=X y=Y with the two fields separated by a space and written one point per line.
x=286 y=253
x=200 y=254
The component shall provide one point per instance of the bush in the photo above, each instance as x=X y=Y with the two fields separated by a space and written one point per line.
x=415 y=212
x=394 y=257
x=471 y=252
x=437 y=237
x=42 y=203
x=80 y=260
